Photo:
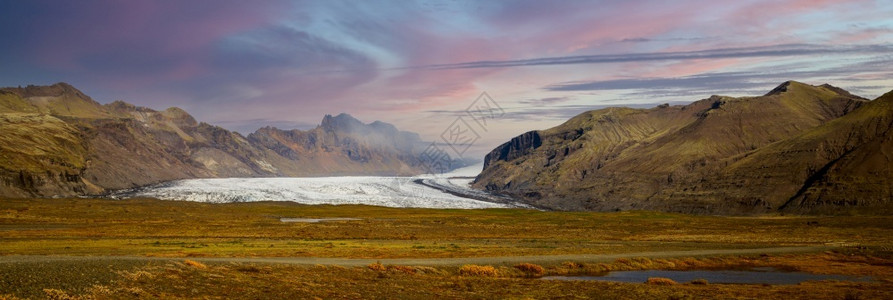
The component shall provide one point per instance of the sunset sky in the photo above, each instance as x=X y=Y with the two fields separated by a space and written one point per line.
x=418 y=64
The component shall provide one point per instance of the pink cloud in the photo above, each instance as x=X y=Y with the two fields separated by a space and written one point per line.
x=776 y=21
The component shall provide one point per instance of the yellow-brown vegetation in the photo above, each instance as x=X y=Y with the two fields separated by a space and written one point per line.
x=533 y=270
x=377 y=267
x=289 y=281
x=181 y=229
x=660 y=281
x=479 y=271
x=95 y=228
x=195 y=264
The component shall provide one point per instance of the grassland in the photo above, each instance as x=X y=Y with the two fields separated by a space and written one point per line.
x=136 y=248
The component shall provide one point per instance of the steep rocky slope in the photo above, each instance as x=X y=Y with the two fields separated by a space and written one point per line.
x=718 y=155
x=846 y=163
x=56 y=141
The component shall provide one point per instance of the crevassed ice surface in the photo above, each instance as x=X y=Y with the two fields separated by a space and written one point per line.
x=368 y=190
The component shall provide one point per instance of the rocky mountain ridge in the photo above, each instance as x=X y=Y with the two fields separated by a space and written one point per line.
x=799 y=148
x=57 y=141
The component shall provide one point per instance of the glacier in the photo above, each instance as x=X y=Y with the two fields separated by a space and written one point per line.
x=365 y=190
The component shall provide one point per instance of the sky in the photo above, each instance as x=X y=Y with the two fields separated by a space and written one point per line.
x=420 y=65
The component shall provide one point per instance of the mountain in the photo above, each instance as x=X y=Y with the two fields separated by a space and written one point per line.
x=799 y=148
x=847 y=162
x=342 y=145
x=57 y=141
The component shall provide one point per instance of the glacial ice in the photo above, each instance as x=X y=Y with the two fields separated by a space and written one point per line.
x=367 y=190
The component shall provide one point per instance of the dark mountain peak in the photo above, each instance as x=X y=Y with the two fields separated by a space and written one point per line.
x=341 y=122
x=781 y=88
x=371 y=133
x=340 y=117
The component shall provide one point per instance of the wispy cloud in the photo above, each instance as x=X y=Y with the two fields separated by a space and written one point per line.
x=546 y=101
x=753 y=80
x=549 y=112
x=742 y=52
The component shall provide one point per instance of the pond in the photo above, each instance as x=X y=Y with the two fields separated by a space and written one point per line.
x=755 y=276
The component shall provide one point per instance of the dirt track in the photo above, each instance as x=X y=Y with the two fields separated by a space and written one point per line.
x=427 y=261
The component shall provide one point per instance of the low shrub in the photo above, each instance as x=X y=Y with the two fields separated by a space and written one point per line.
x=195 y=264
x=55 y=294
x=476 y=270
x=377 y=267
x=690 y=262
x=700 y=282
x=663 y=263
x=660 y=281
x=531 y=269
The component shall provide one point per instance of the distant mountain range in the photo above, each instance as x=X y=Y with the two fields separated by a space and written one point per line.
x=56 y=141
x=797 y=149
